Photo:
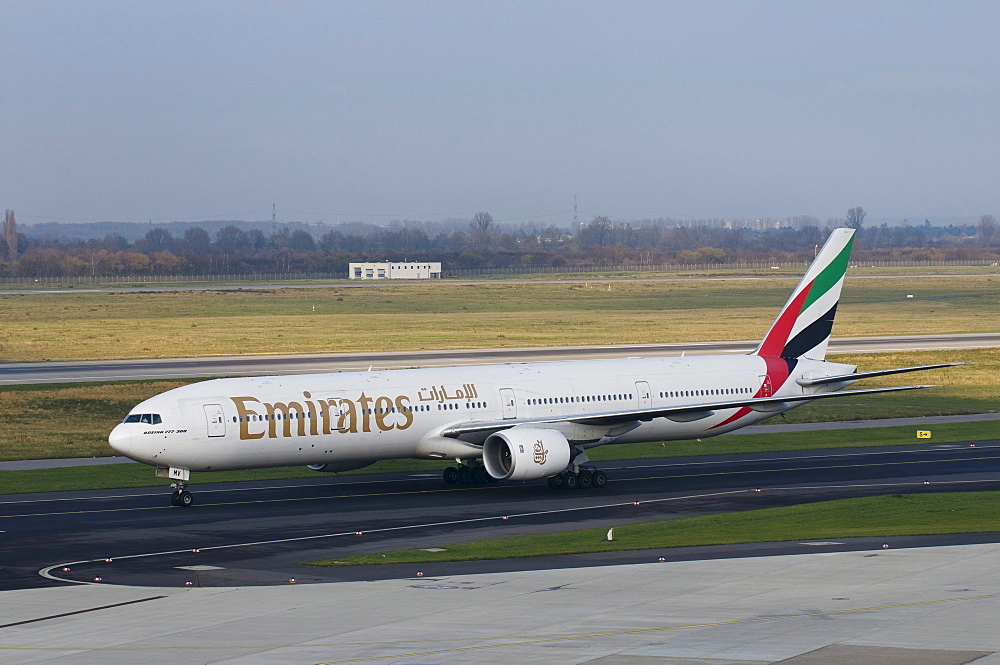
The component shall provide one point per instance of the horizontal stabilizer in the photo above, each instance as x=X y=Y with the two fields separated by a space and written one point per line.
x=867 y=375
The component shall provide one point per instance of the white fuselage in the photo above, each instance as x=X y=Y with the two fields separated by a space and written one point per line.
x=365 y=416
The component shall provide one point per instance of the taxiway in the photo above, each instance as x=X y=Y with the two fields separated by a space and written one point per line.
x=259 y=533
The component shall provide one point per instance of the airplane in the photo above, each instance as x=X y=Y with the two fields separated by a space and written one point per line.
x=524 y=421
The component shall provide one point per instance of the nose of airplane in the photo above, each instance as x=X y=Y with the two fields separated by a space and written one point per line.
x=120 y=439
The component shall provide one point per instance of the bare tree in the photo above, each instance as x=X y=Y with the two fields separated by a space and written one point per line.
x=483 y=223
x=10 y=235
x=987 y=230
x=95 y=258
x=158 y=239
x=856 y=217
x=483 y=229
x=598 y=232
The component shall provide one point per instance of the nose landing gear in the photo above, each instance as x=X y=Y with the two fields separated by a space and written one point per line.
x=181 y=497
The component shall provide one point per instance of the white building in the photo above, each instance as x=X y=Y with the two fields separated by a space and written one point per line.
x=430 y=270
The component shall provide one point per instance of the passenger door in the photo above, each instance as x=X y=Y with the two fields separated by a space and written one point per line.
x=508 y=403
x=216 y=420
x=645 y=400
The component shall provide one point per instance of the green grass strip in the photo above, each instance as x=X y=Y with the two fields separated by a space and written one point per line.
x=113 y=476
x=882 y=516
x=734 y=444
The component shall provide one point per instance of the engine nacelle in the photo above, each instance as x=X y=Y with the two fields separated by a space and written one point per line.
x=334 y=467
x=526 y=453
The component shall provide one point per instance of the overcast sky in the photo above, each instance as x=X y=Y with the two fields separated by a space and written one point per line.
x=130 y=111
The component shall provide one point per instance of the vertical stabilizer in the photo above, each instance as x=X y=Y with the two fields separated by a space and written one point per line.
x=802 y=330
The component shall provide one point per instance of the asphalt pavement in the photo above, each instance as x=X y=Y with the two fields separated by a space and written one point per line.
x=261 y=532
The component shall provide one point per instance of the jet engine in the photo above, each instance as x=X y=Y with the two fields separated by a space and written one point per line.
x=334 y=467
x=525 y=453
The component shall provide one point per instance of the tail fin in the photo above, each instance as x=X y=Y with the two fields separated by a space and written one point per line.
x=803 y=327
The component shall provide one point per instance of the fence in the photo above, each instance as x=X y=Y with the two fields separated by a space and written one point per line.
x=266 y=277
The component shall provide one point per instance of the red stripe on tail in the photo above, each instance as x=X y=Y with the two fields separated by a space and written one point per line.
x=778 y=336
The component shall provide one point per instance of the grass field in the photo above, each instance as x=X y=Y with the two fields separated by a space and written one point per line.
x=882 y=516
x=53 y=421
x=89 y=326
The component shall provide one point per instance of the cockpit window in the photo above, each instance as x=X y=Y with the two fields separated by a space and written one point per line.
x=147 y=418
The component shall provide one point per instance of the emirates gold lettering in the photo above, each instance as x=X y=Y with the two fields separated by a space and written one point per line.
x=366 y=411
x=258 y=419
x=348 y=421
x=383 y=408
x=244 y=413
x=311 y=417
x=285 y=414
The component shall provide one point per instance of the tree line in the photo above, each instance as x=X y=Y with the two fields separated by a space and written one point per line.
x=479 y=243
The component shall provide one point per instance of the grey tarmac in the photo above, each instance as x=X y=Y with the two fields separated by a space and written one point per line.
x=922 y=606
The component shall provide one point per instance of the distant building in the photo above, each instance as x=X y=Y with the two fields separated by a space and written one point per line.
x=394 y=271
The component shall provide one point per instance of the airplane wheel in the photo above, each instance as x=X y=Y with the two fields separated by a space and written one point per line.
x=571 y=482
x=479 y=475
x=556 y=482
x=451 y=475
x=181 y=498
x=464 y=475
x=586 y=480
x=600 y=479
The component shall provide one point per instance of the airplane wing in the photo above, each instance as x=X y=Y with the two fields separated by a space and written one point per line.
x=686 y=413
x=867 y=375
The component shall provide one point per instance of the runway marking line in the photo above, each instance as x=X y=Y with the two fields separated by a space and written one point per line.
x=218 y=490
x=153 y=493
x=476 y=488
x=512 y=640
x=243 y=503
x=89 y=609
x=809 y=468
x=942 y=448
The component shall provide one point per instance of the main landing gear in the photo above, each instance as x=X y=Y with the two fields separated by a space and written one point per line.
x=586 y=478
x=181 y=497
x=468 y=474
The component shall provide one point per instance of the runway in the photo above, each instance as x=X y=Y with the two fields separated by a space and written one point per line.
x=259 y=533
x=173 y=368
